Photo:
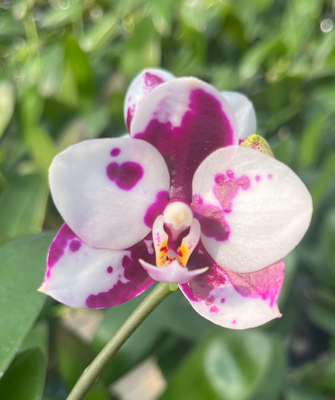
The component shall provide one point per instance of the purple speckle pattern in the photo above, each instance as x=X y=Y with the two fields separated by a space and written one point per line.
x=137 y=279
x=204 y=128
x=212 y=218
x=125 y=175
x=110 y=269
x=115 y=152
x=156 y=208
x=58 y=246
x=264 y=284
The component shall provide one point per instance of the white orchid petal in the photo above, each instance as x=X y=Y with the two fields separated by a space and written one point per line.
x=231 y=300
x=109 y=191
x=253 y=209
x=80 y=276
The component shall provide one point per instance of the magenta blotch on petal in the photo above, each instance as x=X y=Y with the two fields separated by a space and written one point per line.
x=135 y=280
x=91 y=277
x=125 y=175
x=156 y=208
x=222 y=296
x=186 y=120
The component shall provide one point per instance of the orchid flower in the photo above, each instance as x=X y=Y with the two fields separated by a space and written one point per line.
x=187 y=199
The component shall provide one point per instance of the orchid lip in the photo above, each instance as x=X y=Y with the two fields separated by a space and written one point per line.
x=173 y=272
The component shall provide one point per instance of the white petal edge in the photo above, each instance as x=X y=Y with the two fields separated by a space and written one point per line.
x=266 y=221
x=97 y=209
x=244 y=113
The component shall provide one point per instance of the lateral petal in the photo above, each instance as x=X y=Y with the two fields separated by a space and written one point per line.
x=109 y=191
x=80 y=276
x=231 y=300
x=253 y=210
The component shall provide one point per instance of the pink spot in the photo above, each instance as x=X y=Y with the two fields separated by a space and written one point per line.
x=151 y=80
x=155 y=209
x=75 y=245
x=214 y=310
x=223 y=300
x=212 y=218
x=258 y=178
x=270 y=176
x=109 y=269
x=234 y=322
x=115 y=152
x=210 y=300
x=126 y=175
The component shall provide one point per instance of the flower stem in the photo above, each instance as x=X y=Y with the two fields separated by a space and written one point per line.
x=92 y=372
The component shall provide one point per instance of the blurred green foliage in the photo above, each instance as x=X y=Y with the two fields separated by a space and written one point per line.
x=64 y=69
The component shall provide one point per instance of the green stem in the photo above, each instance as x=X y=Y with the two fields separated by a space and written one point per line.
x=92 y=372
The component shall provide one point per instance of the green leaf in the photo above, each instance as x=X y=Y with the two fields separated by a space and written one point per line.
x=230 y=365
x=299 y=392
x=7 y=102
x=79 y=64
x=73 y=357
x=326 y=176
x=22 y=265
x=22 y=206
x=41 y=146
x=37 y=337
x=309 y=144
x=136 y=347
x=100 y=33
x=143 y=49
x=323 y=317
x=24 y=379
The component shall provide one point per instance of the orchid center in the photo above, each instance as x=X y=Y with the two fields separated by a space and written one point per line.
x=178 y=216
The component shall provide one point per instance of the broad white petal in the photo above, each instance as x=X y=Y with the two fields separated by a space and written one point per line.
x=253 y=209
x=81 y=276
x=172 y=273
x=143 y=84
x=244 y=113
x=109 y=191
x=186 y=120
x=231 y=300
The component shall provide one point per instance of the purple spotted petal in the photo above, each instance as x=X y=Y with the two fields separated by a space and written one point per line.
x=143 y=84
x=253 y=209
x=110 y=190
x=172 y=273
x=231 y=300
x=186 y=120
x=80 y=276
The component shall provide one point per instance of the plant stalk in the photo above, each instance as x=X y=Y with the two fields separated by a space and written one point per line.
x=92 y=372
